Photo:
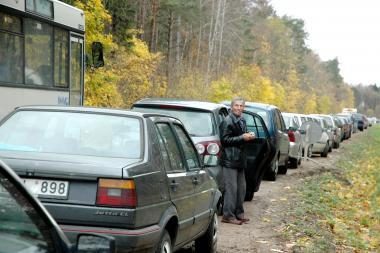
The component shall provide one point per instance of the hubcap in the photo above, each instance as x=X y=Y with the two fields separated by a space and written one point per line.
x=166 y=248
x=275 y=166
x=216 y=228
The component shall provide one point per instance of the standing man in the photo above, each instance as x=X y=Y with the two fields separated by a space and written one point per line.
x=234 y=135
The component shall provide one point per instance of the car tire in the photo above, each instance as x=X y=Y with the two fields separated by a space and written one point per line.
x=325 y=151
x=165 y=244
x=283 y=169
x=293 y=163
x=207 y=243
x=219 y=207
x=273 y=170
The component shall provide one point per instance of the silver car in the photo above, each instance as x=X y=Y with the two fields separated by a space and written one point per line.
x=295 y=139
x=323 y=145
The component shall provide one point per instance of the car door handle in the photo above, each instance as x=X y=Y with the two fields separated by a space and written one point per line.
x=195 y=180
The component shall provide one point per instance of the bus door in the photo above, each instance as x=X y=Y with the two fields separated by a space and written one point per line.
x=76 y=70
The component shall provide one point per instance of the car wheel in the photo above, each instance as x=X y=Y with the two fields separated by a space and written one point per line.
x=219 y=207
x=273 y=170
x=325 y=151
x=165 y=245
x=284 y=168
x=208 y=241
x=293 y=163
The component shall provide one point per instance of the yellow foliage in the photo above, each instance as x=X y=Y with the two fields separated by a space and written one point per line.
x=311 y=104
x=137 y=72
x=100 y=89
x=97 y=18
x=324 y=104
x=221 y=90
x=279 y=96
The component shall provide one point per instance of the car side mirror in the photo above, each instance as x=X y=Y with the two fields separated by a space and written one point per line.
x=302 y=131
x=95 y=243
x=97 y=54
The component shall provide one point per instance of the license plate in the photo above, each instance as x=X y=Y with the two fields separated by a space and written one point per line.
x=47 y=188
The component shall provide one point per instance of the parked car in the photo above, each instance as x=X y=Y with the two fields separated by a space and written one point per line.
x=301 y=119
x=322 y=146
x=337 y=134
x=295 y=139
x=348 y=124
x=202 y=120
x=329 y=128
x=359 y=121
x=278 y=137
x=26 y=226
x=134 y=176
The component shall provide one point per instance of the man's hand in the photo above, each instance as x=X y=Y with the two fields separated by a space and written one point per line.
x=248 y=137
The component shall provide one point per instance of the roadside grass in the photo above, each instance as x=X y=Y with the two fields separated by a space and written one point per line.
x=339 y=211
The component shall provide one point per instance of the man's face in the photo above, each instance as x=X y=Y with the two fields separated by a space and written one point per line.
x=237 y=108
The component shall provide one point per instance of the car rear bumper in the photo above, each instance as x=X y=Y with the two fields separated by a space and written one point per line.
x=127 y=240
x=294 y=150
x=319 y=147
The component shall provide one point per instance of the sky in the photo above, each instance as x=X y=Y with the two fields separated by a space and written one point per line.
x=346 y=29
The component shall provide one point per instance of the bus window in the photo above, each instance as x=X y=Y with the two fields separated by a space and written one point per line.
x=11 y=49
x=38 y=53
x=61 y=58
x=76 y=71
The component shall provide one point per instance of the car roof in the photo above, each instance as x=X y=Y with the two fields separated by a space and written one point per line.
x=194 y=104
x=87 y=109
x=254 y=104
x=260 y=105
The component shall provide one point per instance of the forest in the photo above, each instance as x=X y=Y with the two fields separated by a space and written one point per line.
x=212 y=50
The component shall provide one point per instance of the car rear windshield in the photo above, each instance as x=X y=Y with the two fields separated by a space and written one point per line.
x=287 y=120
x=72 y=133
x=329 y=121
x=263 y=114
x=197 y=123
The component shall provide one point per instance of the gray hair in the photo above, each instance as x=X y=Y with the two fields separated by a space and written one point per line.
x=237 y=99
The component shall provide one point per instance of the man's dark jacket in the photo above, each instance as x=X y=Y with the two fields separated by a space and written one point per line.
x=231 y=135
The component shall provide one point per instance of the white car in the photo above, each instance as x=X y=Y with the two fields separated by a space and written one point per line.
x=324 y=144
x=295 y=139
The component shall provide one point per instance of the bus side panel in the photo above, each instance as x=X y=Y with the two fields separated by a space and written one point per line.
x=13 y=97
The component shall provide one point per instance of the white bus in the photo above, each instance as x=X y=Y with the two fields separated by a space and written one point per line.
x=41 y=54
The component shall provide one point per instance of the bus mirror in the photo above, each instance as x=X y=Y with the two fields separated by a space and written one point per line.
x=97 y=55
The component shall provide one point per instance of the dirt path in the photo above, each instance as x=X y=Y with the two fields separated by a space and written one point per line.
x=267 y=210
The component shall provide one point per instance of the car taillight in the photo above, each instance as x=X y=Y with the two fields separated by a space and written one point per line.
x=213 y=148
x=208 y=148
x=116 y=193
x=200 y=148
x=292 y=137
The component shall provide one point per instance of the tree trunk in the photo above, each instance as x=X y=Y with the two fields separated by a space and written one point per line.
x=169 y=43
x=153 y=31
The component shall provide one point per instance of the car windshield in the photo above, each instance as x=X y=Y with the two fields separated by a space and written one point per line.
x=21 y=227
x=197 y=123
x=72 y=133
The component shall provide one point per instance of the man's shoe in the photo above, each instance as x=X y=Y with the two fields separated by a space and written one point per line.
x=232 y=221
x=242 y=219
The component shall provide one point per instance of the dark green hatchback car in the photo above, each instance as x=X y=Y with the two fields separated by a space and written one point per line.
x=134 y=176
